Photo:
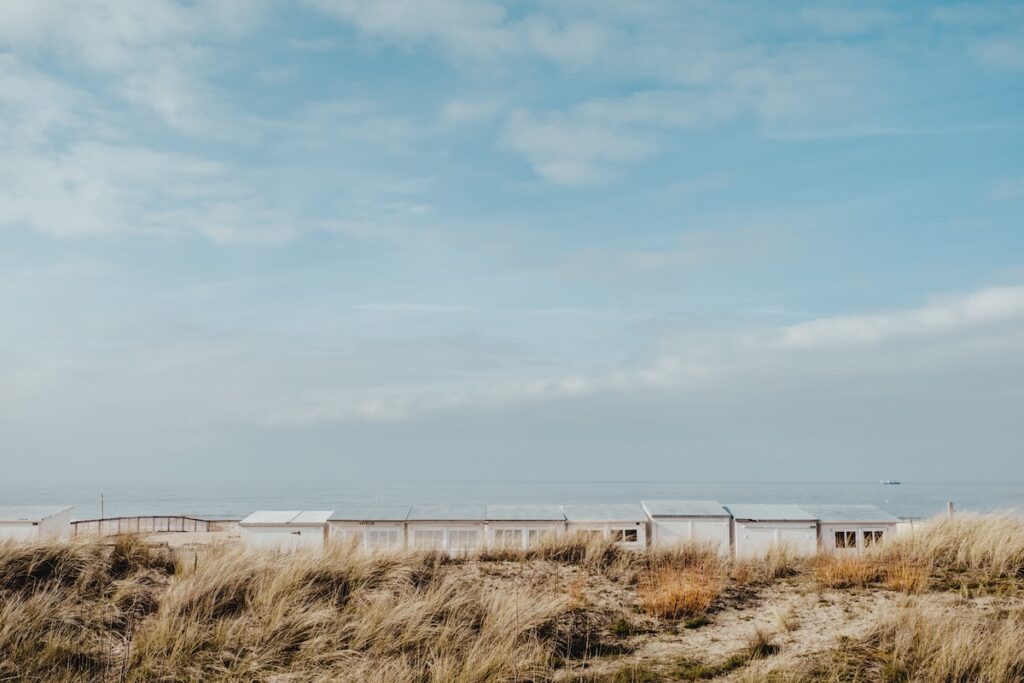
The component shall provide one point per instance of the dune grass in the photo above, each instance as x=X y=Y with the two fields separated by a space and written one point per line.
x=846 y=571
x=915 y=643
x=125 y=611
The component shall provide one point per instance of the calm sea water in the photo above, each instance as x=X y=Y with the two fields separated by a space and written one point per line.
x=235 y=499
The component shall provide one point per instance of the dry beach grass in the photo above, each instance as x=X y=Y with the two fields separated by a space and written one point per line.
x=942 y=604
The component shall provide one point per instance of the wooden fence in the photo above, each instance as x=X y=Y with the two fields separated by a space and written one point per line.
x=152 y=524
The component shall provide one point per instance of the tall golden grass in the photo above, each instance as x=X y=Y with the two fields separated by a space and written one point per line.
x=991 y=545
x=682 y=581
x=845 y=571
x=915 y=643
x=93 y=611
x=346 y=616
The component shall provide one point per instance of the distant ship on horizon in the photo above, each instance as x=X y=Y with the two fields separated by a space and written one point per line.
x=890 y=482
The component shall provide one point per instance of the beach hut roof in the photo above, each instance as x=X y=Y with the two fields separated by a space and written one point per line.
x=442 y=513
x=311 y=517
x=525 y=513
x=866 y=514
x=770 y=513
x=684 y=508
x=271 y=517
x=278 y=517
x=30 y=513
x=605 y=512
x=370 y=513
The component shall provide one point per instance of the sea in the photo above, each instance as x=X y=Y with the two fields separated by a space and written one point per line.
x=234 y=499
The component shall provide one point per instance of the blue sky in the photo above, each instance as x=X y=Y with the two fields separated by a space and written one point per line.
x=475 y=239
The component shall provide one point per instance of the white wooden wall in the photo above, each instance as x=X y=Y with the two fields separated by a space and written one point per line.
x=755 y=539
x=283 y=538
x=667 y=531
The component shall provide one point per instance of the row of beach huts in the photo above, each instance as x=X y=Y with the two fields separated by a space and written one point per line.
x=740 y=530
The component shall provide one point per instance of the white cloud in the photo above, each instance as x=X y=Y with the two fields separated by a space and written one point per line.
x=846 y=21
x=472 y=29
x=570 y=151
x=1002 y=52
x=1008 y=190
x=93 y=189
x=404 y=307
x=469 y=110
x=782 y=91
x=887 y=347
x=980 y=309
x=153 y=51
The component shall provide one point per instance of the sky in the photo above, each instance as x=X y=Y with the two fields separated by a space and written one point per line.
x=472 y=239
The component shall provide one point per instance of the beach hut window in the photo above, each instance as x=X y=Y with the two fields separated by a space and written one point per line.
x=624 y=535
x=349 y=536
x=509 y=537
x=873 y=537
x=534 y=535
x=429 y=539
x=463 y=539
x=382 y=538
x=846 y=539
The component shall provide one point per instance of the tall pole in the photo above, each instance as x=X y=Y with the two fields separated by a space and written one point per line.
x=101 y=506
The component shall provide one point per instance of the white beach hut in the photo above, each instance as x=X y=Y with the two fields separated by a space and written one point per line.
x=687 y=521
x=285 y=530
x=758 y=528
x=852 y=528
x=624 y=523
x=34 y=522
x=519 y=526
x=451 y=528
x=374 y=527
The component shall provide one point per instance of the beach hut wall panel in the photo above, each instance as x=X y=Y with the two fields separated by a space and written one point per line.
x=519 y=526
x=757 y=529
x=284 y=530
x=455 y=529
x=852 y=528
x=624 y=523
x=689 y=521
x=35 y=522
x=373 y=527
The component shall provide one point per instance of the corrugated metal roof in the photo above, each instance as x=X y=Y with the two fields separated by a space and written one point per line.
x=441 y=513
x=30 y=513
x=524 y=513
x=770 y=513
x=271 y=517
x=607 y=512
x=684 y=508
x=851 y=513
x=370 y=513
x=311 y=517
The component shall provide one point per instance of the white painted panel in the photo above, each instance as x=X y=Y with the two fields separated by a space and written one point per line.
x=670 y=531
x=753 y=541
x=667 y=532
x=282 y=538
x=56 y=526
x=18 y=532
x=715 y=532
x=801 y=541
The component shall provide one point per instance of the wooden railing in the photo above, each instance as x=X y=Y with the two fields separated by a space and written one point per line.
x=150 y=524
